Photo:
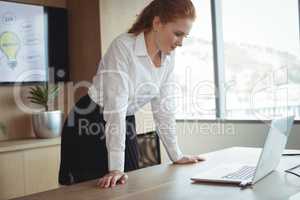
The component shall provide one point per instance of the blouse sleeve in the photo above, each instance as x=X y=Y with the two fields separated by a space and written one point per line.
x=163 y=108
x=115 y=65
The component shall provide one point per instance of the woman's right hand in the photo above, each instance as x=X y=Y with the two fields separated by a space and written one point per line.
x=112 y=178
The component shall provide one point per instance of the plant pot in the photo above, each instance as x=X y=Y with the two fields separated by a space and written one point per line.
x=47 y=124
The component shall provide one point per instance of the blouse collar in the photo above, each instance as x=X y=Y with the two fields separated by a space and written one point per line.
x=140 y=48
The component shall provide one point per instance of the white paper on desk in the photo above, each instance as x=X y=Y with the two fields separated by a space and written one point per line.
x=295 y=197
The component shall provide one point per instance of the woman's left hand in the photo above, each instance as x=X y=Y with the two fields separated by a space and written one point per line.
x=189 y=159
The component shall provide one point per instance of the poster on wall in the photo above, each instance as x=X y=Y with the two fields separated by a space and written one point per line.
x=23 y=43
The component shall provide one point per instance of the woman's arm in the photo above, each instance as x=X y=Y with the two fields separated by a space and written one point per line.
x=115 y=101
x=164 y=108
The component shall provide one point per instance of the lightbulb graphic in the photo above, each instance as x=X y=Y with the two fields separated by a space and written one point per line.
x=10 y=45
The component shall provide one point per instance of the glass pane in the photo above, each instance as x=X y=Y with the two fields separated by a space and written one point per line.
x=194 y=69
x=262 y=63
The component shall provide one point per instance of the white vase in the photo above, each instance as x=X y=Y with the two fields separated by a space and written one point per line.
x=47 y=124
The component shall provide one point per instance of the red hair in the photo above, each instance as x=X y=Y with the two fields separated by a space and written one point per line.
x=166 y=10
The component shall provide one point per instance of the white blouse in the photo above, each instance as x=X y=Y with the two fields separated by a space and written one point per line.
x=125 y=81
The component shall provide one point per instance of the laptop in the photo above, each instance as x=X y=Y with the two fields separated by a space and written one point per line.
x=245 y=175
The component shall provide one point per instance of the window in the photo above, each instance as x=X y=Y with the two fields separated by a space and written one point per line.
x=260 y=61
x=194 y=69
x=261 y=58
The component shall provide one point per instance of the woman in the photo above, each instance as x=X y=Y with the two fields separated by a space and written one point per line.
x=98 y=139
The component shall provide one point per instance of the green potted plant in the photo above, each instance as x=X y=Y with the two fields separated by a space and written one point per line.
x=46 y=124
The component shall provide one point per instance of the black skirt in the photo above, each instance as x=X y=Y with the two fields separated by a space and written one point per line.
x=83 y=146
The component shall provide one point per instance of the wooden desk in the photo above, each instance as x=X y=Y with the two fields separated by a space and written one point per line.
x=173 y=182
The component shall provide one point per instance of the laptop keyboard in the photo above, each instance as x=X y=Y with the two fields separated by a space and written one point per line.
x=243 y=173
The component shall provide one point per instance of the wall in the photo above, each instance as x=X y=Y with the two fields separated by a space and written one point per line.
x=194 y=137
x=84 y=41
x=208 y=136
x=116 y=18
